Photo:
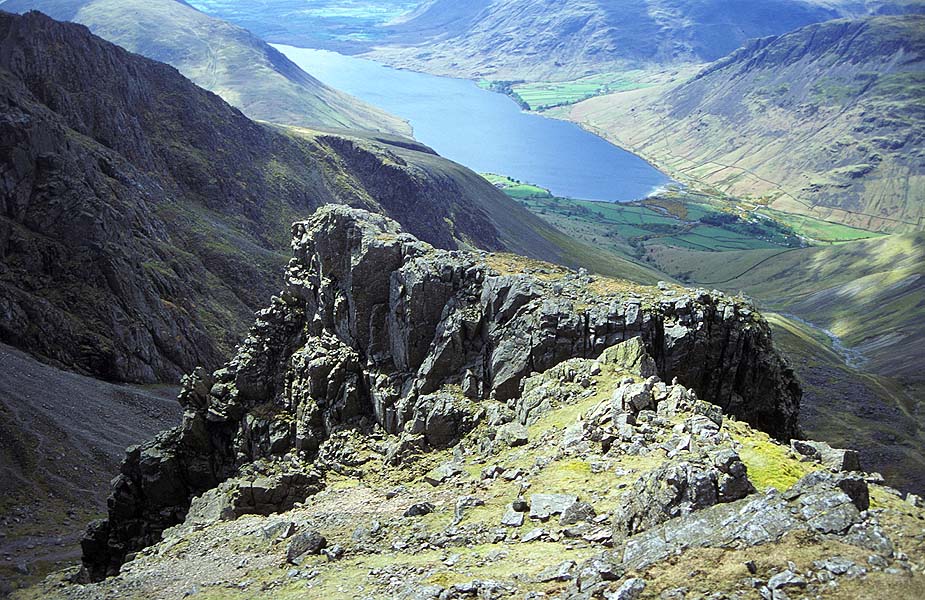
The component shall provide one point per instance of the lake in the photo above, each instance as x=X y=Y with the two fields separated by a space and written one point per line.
x=487 y=131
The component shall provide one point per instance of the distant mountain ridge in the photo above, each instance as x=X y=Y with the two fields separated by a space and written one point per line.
x=826 y=121
x=144 y=219
x=221 y=57
x=555 y=39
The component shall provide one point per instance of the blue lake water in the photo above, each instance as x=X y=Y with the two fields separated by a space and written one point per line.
x=488 y=132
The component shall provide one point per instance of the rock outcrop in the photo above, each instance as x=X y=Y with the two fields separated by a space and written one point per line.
x=378 y=329
x=817 y=503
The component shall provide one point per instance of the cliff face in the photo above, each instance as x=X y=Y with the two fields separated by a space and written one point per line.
x=143 y=219
x=375 y=328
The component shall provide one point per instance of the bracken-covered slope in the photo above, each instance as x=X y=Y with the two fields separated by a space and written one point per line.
x=555 y=39
x=144 y=219
x=225 y=59
x=827 y=120
x=376 y=327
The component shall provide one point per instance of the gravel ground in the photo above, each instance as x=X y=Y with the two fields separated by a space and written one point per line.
x=62 y=436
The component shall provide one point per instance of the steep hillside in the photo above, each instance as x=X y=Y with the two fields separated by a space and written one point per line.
x=826 y=121
x=556 y=40
x=223 y=58
x=62 y=436
x=144 y=219
x=871 y=294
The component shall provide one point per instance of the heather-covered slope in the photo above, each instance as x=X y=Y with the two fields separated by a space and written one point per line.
x=827 y=121
x=221 y=57
x=144 y=219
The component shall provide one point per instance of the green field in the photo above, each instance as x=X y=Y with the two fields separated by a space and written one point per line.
x=819 y=230
x=541 y=95
x=628 y=227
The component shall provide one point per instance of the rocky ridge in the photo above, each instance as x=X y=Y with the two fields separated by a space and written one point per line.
x=610 y=484
x=376 y=330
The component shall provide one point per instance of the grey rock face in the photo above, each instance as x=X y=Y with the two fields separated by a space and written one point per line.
x=631 y=589
x=544 y=506
x=632 y=357
x=260 y=495
x=678 y=488
x=419 y=510
x=512 y=518
x=815 y=503
x=512 y=434
x=374 y=324
x=442 y=473
x=833 y=458
x=786 y=579
x=576 y=512
x=307 y=542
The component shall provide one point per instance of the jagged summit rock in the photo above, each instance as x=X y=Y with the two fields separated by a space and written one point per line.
x=377 y=329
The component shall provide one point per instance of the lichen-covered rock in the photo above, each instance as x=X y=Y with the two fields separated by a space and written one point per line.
x=816 y=503
x=679 y=487
x=376 y=326
x=255 y=495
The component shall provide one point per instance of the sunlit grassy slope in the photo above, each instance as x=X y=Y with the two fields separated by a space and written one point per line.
x=825 y=121
x=870 y=293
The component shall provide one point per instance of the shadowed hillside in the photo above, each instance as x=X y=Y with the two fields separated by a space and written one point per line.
x=223 y=58
x=144 y=219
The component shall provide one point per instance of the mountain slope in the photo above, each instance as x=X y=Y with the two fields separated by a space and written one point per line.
x=458 y=435
x=144 y=219
x=555 y=40
x=223 y=58
x=826 y=121
x=61 y=437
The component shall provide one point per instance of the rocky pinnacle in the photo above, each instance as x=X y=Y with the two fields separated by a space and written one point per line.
x=377 y=327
